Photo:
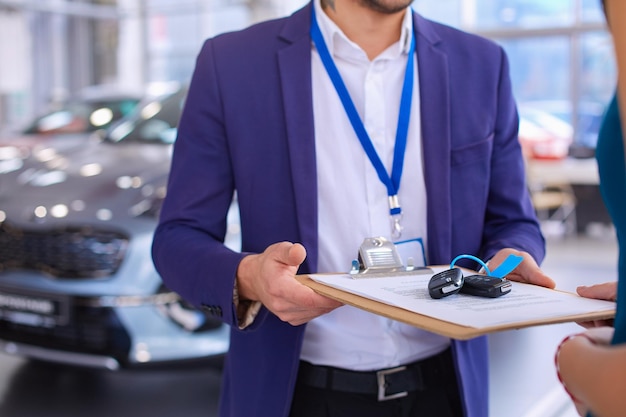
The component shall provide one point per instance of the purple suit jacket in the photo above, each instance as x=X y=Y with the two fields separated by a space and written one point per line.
x=247 y=126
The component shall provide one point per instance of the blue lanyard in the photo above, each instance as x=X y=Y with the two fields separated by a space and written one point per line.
x=391 y=182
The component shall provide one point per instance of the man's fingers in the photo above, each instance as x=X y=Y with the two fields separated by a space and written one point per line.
x=532 y=275
x=310 y=299
x=537 y=277
x=301 y=304
x=296 y=255
x=528 y=271
x=291 y=254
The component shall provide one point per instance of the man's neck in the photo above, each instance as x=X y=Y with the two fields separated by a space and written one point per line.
x=373 y=31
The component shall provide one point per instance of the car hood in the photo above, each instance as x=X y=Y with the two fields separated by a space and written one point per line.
x=46 y=182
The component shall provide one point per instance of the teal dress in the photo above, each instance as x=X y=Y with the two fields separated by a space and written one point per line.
x=612 y=170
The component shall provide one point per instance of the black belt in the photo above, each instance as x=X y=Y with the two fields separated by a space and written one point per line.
x=387 y=384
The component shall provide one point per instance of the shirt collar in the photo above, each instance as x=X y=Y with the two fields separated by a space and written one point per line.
x=336 y=40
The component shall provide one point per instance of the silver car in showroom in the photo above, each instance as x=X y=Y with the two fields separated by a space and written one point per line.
x=77 y=283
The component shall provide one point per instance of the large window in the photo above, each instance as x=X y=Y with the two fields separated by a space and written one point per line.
x=560 y=53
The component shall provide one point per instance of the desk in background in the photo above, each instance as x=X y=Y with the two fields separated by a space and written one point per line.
x=581 y=175
x=568 y=171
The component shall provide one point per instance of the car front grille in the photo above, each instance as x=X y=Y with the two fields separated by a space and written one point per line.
x=92 y=330
x=79 y=252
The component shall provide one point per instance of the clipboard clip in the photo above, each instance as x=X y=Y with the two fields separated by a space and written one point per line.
x=378 y=256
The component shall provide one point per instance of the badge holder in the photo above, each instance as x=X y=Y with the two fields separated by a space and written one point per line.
x=378 y=257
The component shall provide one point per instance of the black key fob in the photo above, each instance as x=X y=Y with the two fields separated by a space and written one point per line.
x=445 y=283
x=486 y=286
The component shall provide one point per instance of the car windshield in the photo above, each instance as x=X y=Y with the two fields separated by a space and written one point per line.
x=82 y=116
x=154 y=120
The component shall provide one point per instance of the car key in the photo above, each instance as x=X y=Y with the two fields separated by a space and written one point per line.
x=445 y=283
x=486 y=286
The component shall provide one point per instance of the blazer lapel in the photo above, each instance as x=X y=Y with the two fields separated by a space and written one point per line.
x=436 y=141
x=294 y=62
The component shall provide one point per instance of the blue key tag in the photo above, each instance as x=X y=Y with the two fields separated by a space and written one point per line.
x=510 y=263
x=492 y=284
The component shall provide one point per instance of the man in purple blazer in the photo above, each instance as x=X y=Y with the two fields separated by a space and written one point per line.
x=297 y=116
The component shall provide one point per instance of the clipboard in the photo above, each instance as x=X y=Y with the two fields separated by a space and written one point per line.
x=435 y=325
x=384 y=265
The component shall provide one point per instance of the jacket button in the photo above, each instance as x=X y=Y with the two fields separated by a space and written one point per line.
x=213 y=310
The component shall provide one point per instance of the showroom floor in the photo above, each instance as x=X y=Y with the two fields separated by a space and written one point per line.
x=581 y=261
x=33 y=389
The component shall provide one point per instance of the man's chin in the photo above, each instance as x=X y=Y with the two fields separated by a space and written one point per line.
x=387 y=6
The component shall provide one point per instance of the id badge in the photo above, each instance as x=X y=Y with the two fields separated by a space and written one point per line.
x=412 y=252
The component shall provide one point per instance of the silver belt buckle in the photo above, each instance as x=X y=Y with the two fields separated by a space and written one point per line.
x=382 y=384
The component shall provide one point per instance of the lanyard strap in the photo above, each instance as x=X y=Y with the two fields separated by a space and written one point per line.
x=392 y=183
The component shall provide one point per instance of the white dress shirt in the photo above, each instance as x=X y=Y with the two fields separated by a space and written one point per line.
x=353 y=202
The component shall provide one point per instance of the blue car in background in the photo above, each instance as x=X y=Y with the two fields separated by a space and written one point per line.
x=94 y=108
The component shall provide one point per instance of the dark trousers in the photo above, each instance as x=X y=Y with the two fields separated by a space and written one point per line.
x=430 y=385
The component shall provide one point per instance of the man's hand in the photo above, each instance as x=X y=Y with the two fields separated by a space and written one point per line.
x=269 y=278
x=528 y=271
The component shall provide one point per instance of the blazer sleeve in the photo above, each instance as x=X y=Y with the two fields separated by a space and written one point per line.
x=188 y=242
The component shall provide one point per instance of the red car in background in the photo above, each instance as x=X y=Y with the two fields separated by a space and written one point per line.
x=543 y=135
